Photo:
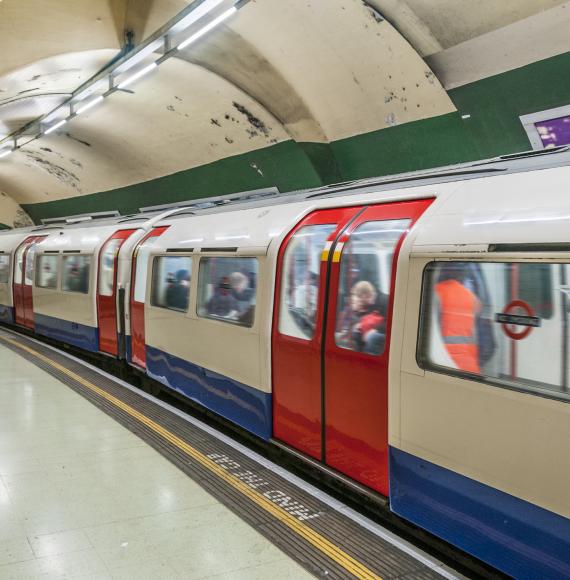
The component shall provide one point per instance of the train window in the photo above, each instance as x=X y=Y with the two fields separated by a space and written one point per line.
x=226 y=289
x=364 y=285
x=4 y=268
x=107 y=266
x=47 y=271
x=143 y=252
x=171 y=277
x=29 y=270
x=301 y=279
x=76 y=273
x=503 y=323
x=19 y=259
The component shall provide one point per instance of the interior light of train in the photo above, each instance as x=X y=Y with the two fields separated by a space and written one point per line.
x=223 y=16
x=55 y=127
x=137 y=75
x=89 y=105
x=5 y=153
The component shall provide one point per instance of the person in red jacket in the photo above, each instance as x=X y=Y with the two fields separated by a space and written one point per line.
x=360 y=325
x=458 y=311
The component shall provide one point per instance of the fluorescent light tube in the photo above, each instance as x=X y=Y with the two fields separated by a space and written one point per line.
x=92 y=103
x=207 y=28
x=54 y=127
x=5 y=153
x=137 y=75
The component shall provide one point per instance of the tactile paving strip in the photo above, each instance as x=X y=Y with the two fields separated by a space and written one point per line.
x=324 y=541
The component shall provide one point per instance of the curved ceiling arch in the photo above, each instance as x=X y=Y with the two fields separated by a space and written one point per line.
x=311 y=72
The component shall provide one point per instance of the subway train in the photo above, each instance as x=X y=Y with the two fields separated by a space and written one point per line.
x=410 y=333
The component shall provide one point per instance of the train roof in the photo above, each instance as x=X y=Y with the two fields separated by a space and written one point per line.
x=500 y=207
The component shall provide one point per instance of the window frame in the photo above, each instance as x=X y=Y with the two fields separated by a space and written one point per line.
x=9 y=265
x=528 y=122
x=37 y=271
x=422 y=335
x=213 y=317
x=150 y=281
x=89 y=279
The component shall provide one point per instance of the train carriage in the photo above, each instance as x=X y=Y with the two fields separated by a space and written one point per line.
x=17 y=249
x=410 y=335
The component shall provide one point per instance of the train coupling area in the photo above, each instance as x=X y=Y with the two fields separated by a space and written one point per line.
x=327 y=538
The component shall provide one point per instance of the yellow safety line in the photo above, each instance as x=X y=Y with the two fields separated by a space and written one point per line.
x=325 y=546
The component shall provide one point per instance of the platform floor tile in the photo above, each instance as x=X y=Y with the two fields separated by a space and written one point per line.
x=82 y=497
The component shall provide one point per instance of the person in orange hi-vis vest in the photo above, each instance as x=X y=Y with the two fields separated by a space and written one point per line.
x=458 y=310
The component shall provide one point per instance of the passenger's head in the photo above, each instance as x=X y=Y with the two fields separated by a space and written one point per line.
x=238 y=281
x=183 y=277
x=362 y=295
x=224 y=285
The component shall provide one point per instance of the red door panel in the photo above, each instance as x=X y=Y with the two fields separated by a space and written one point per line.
x=298 y=329
x=23 y=282
x=357 y=342
x=137 y=298
x=107 y=291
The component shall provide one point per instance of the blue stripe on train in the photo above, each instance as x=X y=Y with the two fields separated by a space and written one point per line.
x=246 y=406
x=6 y=314
x=518 y=537
x=80 y=335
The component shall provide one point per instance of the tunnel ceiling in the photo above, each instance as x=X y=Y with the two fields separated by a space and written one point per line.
x=298 y=70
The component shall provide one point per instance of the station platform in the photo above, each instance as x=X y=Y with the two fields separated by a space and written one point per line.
x=100 y=480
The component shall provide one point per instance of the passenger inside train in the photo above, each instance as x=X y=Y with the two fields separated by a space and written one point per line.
x=471 y=313
x=361 y=326
x=75 y=274
x=178 y=290
x=171 y=282
x=4 y=269
x=227 y=289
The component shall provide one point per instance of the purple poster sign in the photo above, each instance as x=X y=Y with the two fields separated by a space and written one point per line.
x=554 y=132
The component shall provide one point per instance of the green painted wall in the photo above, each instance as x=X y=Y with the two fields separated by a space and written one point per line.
x=284 y=165
x=494 y=128
x=496 y=103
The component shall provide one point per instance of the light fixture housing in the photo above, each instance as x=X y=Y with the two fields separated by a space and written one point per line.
x=212 y=24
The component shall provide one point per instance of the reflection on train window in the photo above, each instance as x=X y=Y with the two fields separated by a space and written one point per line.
x=534 y=285
x=107 y=267
x=141 y=269
x=301 y=279
x=19 y=259
x=364 y=285
x=46 y=276
x=76 y=273
x=4 y=269
x=171 y=276
x=226 y=289
x=29 y=270
x=507 y=323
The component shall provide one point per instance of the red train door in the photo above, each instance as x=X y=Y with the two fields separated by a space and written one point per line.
x=107 y=291
x=303 y=269
x=138 y=292
x=357 y=343
x=23 y=282
x=332 y=390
